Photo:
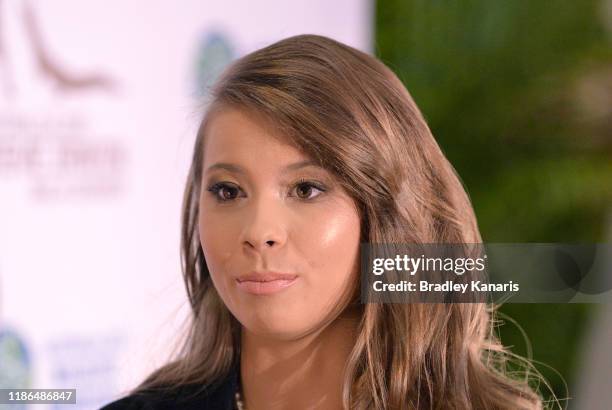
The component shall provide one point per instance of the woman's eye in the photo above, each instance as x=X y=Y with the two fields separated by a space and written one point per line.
x=305 y=190
x=224 y=192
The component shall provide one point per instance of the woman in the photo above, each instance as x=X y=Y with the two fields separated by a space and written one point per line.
x=308 y=148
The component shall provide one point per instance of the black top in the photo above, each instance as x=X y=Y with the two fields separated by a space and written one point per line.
x=216 y=396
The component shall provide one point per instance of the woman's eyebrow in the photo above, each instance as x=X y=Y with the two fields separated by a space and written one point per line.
x=226 y=166
x=237 y=169
x=300 y=165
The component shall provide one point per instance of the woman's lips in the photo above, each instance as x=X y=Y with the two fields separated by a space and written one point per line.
x=265 y=283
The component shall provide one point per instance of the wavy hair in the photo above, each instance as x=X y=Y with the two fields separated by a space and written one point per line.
x=347 y=110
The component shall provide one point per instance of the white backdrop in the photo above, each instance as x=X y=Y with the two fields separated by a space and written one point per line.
x=98 y=108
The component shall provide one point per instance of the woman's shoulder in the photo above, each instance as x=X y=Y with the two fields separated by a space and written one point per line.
x=218 y=396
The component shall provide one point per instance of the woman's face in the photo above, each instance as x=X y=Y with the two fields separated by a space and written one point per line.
x=265 y=210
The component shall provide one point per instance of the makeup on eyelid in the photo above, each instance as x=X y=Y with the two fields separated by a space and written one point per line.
x=216 y=186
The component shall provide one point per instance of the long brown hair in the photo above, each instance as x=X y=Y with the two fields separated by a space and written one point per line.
x=347 y=110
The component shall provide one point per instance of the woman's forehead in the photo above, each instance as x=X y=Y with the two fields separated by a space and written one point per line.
x=231 y=134
x=235 y=131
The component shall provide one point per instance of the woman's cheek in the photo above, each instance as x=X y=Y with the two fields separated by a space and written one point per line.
x=216 y=240
x=336 y=233
x=333 y=248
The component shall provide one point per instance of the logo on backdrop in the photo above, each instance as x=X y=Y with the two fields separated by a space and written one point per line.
x=53 y=138
x=15 y=364
x=214 y=52
x=47 y=64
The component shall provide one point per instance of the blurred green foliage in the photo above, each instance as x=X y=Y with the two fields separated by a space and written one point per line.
x=519 y=97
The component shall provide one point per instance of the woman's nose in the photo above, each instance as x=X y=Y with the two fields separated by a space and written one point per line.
x=264 y=224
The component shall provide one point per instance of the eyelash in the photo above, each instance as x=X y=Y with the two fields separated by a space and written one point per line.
x=215 y=188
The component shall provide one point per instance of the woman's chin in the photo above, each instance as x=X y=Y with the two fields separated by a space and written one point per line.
x=281 y=328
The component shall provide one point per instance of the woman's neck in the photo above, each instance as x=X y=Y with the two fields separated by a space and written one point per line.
x=306 y=373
